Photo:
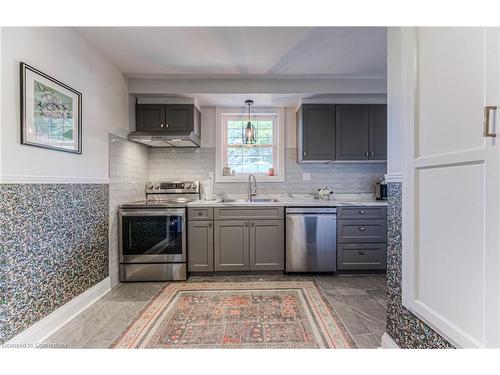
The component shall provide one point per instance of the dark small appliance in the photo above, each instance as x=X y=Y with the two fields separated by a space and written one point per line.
x=381 y=190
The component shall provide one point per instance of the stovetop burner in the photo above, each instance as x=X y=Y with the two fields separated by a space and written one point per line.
x=165 y=194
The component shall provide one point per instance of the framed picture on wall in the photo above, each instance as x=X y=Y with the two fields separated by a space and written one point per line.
x=51 y=112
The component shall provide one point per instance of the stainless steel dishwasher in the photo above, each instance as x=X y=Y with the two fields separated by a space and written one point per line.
x=311 y=239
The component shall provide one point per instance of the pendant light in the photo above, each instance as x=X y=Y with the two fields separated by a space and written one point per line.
x=249 y=132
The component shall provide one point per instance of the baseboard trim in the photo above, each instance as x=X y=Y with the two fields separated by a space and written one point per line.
x=43 y=329
x=388 y=343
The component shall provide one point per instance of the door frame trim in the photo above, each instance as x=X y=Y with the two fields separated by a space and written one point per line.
x=411 y=162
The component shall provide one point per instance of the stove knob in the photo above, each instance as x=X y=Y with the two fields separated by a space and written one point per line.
x=149 y=185
x=188 y=186
x=156 y=185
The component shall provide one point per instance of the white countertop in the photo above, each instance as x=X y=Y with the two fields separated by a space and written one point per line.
x=294 y=200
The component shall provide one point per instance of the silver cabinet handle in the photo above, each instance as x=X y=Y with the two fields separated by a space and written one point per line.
x=361 y=252
x=362 y=212
x=166 y=125
x=366 y=153
x=210 y=225
x=487 y=110
x=252 y=224
x=362 y=229
x=161 y=125
x=200 y=213
x=372 y=153
x=305 y=153
x=246 y=225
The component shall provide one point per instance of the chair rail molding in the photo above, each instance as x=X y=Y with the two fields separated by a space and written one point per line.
x=20 y=179
x=394 y=177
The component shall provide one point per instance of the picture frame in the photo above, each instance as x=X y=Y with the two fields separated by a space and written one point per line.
x=51 y=112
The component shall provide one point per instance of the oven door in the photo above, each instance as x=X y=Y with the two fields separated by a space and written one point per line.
x=152 y=235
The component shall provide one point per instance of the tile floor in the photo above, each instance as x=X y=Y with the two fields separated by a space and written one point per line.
x=359 y=301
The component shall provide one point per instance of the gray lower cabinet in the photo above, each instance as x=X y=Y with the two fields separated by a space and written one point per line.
x=238 y=239
x=200 y=246
x=232 y=245
x=355 y=231
x=267 y=245
x=361 y=238
x=361 y=256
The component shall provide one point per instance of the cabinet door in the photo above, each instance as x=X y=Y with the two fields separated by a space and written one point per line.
x=179 y=117
x=378 y=132
x=200 y=246
x=318 y=132
x=361 y=256
x=361 y=231
x=150 y=117
x=231 y=243
x=267 y=245
x=352 y=131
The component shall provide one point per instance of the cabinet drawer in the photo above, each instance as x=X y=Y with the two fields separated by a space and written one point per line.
x=362 y=212
x=361 y=231
x=237 y=213
x=195 y=213
x=361 y=256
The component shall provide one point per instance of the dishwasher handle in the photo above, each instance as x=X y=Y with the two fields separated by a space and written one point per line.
x=311 y=210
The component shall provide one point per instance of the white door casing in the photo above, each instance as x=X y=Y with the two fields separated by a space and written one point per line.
x=451 y=205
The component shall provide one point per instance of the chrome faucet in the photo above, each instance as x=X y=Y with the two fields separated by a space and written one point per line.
x=252 y=187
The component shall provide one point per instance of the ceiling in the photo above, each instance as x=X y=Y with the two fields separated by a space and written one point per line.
x=243 y=51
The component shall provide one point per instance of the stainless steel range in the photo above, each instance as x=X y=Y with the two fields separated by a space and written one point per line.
x=152 y=233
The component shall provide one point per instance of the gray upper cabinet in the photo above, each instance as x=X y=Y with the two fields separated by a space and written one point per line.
x=179 y=118
x=343 y=132
x=378 y=132
x=174 y=118
x=316 y=133
x=200 y=246
x=361 y=132
x=150 y=117
x=352 y=131
x=232 y=245
x=267 y=245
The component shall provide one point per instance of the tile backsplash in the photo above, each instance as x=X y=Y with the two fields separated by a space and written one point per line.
x=128 y=171
x=185 y=164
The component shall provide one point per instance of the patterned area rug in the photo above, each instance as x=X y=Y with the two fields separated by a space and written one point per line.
x=278 y=314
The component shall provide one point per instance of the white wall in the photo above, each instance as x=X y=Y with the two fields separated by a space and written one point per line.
x=65 y=55
x=395 y=107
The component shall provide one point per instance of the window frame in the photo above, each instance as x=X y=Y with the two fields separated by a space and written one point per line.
x=221 y=143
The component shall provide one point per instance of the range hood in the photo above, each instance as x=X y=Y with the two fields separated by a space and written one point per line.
x=160 y=139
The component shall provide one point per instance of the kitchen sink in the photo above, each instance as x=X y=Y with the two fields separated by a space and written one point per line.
x=264 y=200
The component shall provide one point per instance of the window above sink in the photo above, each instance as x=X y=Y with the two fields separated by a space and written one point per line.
x=267 y=153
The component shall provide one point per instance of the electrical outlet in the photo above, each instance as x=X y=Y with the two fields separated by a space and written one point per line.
x=306 y=177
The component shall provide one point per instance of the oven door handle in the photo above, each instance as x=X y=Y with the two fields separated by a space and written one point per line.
x=153 y=212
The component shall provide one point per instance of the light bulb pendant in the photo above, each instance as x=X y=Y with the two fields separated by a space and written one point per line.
x=249 y=136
